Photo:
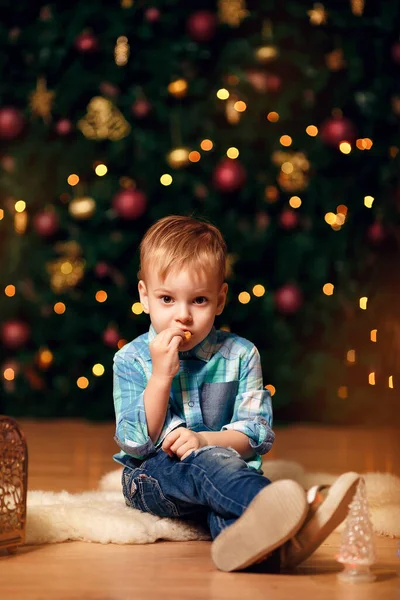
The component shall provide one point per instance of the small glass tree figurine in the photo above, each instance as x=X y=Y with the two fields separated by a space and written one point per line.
x=357 y=550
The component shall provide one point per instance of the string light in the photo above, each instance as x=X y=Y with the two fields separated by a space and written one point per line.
x=244 y=297
x=312 y=131
x=368 y=201
x=101 y=170
x=98 y=370
x=345 y=147
x=232 y=152
x=259 y=290
x=60 y=308
x=285 y=140
x=82 y=383
x=9 y=374
x=121 y=343
x=20 y=206
x=271 y=389
x=121 y=51
x=137 y=308
x=273 y=117
x=101 y=296
x=194 y=156
x=363 y=303
x=373 y=335
x=223 y=94
x=351 y=356
x=206 y=145
x=391 y=381
x=371 y=378
x=1 y=214
x=9 y=291
x=330 y=218
x=295 y=202
x=73 y=179
x=240 y=106
x=342 y=392
x=287 y=167
x=328 y=289
x=178 y=88
x=166 y=179
x=45 y=358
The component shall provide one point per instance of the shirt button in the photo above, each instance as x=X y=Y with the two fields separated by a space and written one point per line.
x=190 y=403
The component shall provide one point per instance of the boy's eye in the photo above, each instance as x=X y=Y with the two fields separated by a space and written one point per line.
x=166 y=299
x=200 y=300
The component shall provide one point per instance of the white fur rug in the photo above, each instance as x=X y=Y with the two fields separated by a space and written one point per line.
x=102 y=516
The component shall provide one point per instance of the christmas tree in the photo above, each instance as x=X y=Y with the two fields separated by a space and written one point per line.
x=276 y=121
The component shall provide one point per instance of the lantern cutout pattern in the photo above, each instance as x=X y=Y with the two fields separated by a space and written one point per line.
x=13 y=484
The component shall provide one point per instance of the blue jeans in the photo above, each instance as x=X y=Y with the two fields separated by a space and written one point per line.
x=213 y=485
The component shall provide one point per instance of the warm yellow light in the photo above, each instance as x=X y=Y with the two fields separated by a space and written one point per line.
x=330 y=218
x=373 y=335
x=368 y=143
x=121 y=343
x=178 y=88
x=101 y=296
x=259 y=290
x=101 y=170
x=60 y=308
x=82 y=382
x=340 y=219
x=312 y=130
x=328 y=289
x=244 y=297
x=287 y=168
x=223 y=94
x=194 y=156
x=363 y=302
x=240 y=106
x=9 y=291
x=285 y=140
x=345 y=147
x=271 y=389
x=273 y=117
x=342 y=392
x=45 y=358
x=206 y=145
x=295 y=202
x=368 y=201
x=66 y=268
x=371 y=378
x=351 y=356
x=9 y=374
x=166 y=179
x=20 y=206
x=137 y=308
x=361 y=144
x=271 y=193
x=391 y=381
x=1 y=214
x=342 y=209
x=232 y=152
x=73 y=179
x=98 y=370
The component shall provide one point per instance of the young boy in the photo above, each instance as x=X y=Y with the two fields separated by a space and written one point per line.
x=193 y=417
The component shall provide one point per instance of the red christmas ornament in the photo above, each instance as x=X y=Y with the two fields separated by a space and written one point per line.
x=152 y=14
x=86 y=42
x=14 y=334
x=229 y=175
x=11 y=123
x=111 y=336
x=141 y=108
x=288 y=219
x=396 y=53
x=376 y=233
x=288 y=299
x=201 y=25
x=63 y=127
x=336 y=130
x=129 y=203
x=45 y=223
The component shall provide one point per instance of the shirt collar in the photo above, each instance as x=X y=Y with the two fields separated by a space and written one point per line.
x=203 y=351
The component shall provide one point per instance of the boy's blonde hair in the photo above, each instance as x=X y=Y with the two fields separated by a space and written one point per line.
x=176 y=242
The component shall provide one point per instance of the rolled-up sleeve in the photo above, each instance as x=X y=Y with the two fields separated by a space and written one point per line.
x=252 y=414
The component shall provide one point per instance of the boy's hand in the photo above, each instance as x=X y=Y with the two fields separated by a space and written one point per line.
x=164 y=352
x=182 y=442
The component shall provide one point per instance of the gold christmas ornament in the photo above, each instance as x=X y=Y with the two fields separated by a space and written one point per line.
x=103 y=121
x=121 y=51
x=41 y=100
x=178 y=88
x=66 y=271
x=82 y=208
x=318 y=14
x=265 y=54
x=13 y=484
x=334 y=60
x=232 y=12
x=357 y=7
x=178 y=157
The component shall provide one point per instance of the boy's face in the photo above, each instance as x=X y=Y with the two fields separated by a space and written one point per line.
x=186 y=300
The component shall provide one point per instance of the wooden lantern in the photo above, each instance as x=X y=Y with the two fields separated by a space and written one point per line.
x=13 y=484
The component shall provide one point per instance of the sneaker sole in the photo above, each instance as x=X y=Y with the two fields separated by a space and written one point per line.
x=328 y=516
x=273 y=517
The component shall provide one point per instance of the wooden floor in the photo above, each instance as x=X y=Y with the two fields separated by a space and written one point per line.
x=74 y=455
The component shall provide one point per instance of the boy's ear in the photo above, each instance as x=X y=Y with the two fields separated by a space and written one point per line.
x=222 y=298
x=144 y=296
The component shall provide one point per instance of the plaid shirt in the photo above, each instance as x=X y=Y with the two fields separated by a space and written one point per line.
x=219 y=386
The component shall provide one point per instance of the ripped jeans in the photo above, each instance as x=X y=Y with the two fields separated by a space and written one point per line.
x=213 y=485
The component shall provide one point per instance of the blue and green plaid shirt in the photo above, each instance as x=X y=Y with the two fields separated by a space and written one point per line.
x=219 y=386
